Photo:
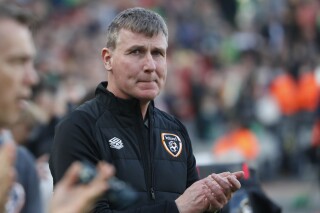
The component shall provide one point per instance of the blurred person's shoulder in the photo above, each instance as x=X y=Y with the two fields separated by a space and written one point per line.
x=25 y=159
x=84 y=115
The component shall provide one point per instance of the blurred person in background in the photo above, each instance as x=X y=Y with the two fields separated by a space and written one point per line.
x=238 y=144
x=149 y=148
x=17 y=75
x=22 y=130
x=314 y=151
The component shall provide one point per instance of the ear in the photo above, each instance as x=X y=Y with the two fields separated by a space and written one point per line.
x=106 y=57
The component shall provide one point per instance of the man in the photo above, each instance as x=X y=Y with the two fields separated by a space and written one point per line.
x=150 y=149
x=17 y=75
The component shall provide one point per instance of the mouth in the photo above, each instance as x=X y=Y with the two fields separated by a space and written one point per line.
x=147 y=81
x=148 y=85
x=23 y=101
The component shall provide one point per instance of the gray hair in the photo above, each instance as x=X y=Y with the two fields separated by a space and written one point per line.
x=16 y=13
x=137 y=20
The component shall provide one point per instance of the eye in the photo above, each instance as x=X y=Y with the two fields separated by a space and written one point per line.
x=136 y=52
x=157 y=53
x=20 y=60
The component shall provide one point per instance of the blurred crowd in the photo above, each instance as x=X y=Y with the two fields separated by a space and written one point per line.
x=245 y=73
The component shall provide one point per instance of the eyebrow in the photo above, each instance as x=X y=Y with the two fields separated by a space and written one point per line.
x=161 y=50
x=134 y=47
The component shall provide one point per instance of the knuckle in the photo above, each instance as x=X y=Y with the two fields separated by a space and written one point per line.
x=219 y=194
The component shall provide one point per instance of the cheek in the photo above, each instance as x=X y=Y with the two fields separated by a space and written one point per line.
x=6 y=83
x=8 y=106
x=162 y=74
x=3 y=98
x=9 y=86
x=7 y=99
x=127 y=71
x=11 y=75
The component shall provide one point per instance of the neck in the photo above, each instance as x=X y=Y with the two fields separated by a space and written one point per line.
x=144 y=108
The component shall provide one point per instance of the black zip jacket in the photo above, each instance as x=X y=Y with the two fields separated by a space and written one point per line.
x=155 y=159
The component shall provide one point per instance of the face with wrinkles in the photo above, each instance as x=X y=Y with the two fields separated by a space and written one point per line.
x=17 y=73
x=137 y=66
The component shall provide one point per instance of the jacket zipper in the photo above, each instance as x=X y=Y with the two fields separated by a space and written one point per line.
x=151 y=146
x=153 y=195
x=146 y=157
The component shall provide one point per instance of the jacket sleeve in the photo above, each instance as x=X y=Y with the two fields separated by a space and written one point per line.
x=163 y=207
x=193 y=174
x=73 y=141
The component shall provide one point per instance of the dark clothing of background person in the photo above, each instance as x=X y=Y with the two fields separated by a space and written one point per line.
x=25 y=194
x=112 y=129
x=41 y=139
x=27 y=176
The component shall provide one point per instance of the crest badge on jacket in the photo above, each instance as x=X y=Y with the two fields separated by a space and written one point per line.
x=172 y=143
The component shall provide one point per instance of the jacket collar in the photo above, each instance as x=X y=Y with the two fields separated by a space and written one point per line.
x=115 y=104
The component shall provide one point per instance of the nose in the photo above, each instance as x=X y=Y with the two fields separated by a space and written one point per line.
x=149 y=63
x=31 y=76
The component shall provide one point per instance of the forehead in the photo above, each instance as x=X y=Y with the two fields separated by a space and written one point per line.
x=15 y=39
x=128 y=38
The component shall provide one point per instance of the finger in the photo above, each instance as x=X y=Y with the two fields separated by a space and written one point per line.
x=100 y=183
x=224 y=174
x=235 y=184
x=71 y=176
x=12 y=176
x=213 y=193
x=207 y=194
x=8 y=181
x=105 y=171
x=238 y=174
x=225 y=192
x=8 y=150
x=7 y=157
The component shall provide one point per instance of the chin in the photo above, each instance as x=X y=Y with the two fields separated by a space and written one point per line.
x=147 y=98
x=147 y=95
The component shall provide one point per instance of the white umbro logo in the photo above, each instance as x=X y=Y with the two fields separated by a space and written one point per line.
x=115 y=143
